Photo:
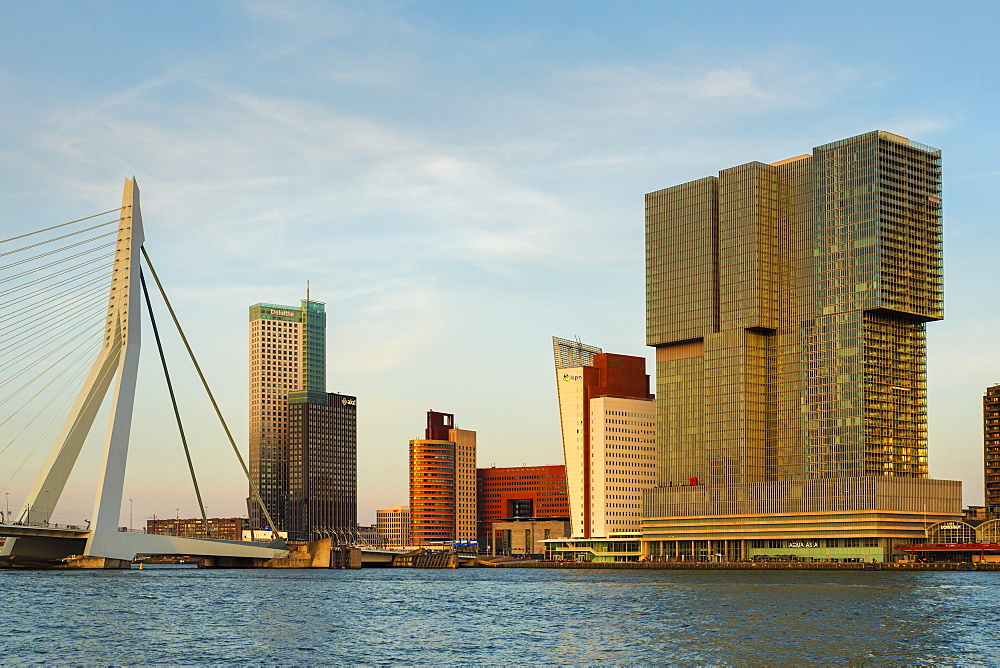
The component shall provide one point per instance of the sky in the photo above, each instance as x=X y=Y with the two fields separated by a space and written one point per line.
x=460 y=182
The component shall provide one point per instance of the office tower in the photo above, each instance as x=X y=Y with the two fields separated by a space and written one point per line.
x=303 y=441
x=518 y=492
x=443 y=483
x=393 y=526
x=991 y=450
x=608 y=420
x=322 y=464
x=787 y=305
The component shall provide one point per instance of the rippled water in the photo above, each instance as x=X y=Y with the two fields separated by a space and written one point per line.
x=515 y=616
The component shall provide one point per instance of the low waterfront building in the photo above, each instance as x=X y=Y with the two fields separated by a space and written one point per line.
x=368 y=535
x=262 y=535
x=222 y=528
x=953 y=541
x=525 y=537
x=619 y=546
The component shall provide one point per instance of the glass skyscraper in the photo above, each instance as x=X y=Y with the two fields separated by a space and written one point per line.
x=787 y=304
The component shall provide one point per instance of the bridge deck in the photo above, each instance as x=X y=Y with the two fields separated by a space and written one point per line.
x=43 y=531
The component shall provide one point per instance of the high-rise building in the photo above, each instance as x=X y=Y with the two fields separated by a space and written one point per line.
x=443 y=483
x=302 y=440
x=393 y=526
x=322 y=464
x=518 y=492
x=991 y=450
x=787 y=305
x=608 y=420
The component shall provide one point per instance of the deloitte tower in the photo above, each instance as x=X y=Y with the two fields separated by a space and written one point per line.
x=787 y=304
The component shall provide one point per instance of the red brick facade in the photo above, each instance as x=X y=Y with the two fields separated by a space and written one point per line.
x=518 y=491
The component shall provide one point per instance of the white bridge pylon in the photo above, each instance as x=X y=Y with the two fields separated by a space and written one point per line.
x=117 y=360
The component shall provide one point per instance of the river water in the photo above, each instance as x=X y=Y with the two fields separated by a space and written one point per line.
x=499 y=616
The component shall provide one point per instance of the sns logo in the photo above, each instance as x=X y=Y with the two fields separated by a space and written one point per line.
x=567 y=377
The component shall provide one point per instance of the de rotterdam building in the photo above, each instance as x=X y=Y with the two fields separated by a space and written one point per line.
x=787 y=303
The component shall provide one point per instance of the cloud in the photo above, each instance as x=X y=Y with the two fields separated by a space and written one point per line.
x=293 y=26
x=699 y=94
x=396 y=328
x=917 y=127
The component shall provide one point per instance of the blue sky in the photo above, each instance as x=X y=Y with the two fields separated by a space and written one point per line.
x=461 y=181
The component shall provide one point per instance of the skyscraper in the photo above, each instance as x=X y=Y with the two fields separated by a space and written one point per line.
x=608 y=421
x=991 y=450
x=443 y=483
x=322 y=464
x=306 y=475
x=787 y=305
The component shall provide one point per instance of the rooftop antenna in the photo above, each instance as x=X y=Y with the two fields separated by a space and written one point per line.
x=307 y=290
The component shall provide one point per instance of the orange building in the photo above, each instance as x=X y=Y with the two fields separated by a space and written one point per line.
x=443 y=483
x=518 y=492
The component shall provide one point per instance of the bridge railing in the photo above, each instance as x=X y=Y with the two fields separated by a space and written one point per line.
x=47 y=525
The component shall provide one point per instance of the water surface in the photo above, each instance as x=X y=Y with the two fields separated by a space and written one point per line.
x=498 y=616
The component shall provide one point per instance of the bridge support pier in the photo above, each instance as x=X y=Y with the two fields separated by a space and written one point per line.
x=345 y=557
x=97 y=563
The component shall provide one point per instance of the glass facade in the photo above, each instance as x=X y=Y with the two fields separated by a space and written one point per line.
x=787 y=304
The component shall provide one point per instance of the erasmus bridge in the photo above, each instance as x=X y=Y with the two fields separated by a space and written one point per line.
x=55 y=273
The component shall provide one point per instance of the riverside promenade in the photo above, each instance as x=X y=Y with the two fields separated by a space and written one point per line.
x=742 y=565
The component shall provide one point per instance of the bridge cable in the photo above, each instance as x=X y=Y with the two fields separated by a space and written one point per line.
x=58 y=273
x=55 y=227
x=59 y=261
x=59 y=250
x=47 y=342
x=117 y=221
x=96 y=270
x=110 y=370
x=173 y=400
x=204 y=382
x=56 y=310
x=102 y=285
x=16 y=336
x=86 y=353
x=13 y=394
x=34 y=396
x=61 y=411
